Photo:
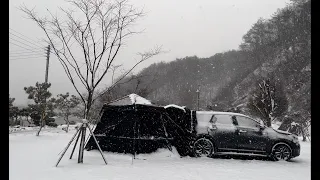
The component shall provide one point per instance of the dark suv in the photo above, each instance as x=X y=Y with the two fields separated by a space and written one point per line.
x=234 y=133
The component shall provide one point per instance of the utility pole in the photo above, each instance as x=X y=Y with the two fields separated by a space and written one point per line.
x=46 y=81
x=47 y=65
x=198 y=96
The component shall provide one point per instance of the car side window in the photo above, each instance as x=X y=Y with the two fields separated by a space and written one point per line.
x=223 y=119
x=246 y=122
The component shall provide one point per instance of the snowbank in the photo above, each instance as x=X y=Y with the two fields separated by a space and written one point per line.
x=34 y=129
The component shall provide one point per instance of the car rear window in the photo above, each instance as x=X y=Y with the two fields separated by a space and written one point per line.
x=223 y=119
x=204 y=118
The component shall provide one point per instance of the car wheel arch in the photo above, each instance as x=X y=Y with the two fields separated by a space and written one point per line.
x=279 y=143
x=207 y=136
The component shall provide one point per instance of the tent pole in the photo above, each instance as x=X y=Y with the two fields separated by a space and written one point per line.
x=134 y=139
x=169 y=146
x=133 y=142
x=65 y=150
x=138 y=142
x=94 y=137
x=74 y=147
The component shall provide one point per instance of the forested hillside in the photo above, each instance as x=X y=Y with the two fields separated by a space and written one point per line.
x=278 y=48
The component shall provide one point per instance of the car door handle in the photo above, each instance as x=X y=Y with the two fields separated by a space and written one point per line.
x=242 y=131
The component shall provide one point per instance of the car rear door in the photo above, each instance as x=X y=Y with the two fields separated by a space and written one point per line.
x=224 y=132
x=249 y=136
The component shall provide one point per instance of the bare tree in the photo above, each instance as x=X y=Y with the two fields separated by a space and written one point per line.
x=114 y=68
x=99 y=29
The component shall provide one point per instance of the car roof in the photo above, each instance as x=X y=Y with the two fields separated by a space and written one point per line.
x=220 y=112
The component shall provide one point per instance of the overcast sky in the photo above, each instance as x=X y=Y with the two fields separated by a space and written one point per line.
x=182 y=27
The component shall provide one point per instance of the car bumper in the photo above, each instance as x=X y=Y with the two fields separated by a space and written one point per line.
x=296 y=150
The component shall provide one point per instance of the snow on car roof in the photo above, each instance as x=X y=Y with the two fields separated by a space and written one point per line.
x=219 y=112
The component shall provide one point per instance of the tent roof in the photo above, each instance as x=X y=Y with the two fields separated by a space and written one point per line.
x=140 y=107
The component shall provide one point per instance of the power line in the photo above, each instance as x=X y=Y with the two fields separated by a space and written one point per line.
x=21 y=46
x=25 y=58
x=23 y=43
x=25 y=40
x=27 y=55
x=24 y=35
x=24 y=53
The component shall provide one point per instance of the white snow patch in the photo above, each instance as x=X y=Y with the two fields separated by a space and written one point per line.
x=78 y=125
x=160 y=154
x=275 y=126
x=175 y=106
x=136 y=99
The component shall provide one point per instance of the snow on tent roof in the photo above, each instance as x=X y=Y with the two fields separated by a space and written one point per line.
x=136 y=99
x=175 y=106
x=129 y=100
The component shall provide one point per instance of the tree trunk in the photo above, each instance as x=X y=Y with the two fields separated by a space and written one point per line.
x=268 y=122
x=41 y=122
x=16 y=121
x=303 y=132
x=28 y=120
x=67 y=121
x=88 y=106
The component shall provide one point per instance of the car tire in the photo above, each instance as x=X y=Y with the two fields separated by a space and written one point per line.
x=203 y=147
x=281 y=152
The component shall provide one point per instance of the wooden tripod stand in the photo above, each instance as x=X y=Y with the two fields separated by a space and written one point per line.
x=81 y=132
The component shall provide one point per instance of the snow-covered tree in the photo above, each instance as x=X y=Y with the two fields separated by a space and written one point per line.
x=268 y=101
x=26 y=113
x=43 y=106
x=65 y=104
x=13 y=112
x=11 y=100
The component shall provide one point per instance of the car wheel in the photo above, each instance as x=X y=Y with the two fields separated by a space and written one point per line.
x=203 y=147
x=281 y=151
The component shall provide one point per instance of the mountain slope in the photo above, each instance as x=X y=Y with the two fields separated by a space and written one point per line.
x=279 y=47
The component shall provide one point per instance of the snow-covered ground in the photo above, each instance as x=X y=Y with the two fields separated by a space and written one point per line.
x=17 y=129
x=34 y=158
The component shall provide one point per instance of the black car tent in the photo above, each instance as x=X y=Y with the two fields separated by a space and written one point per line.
x=140 y=128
